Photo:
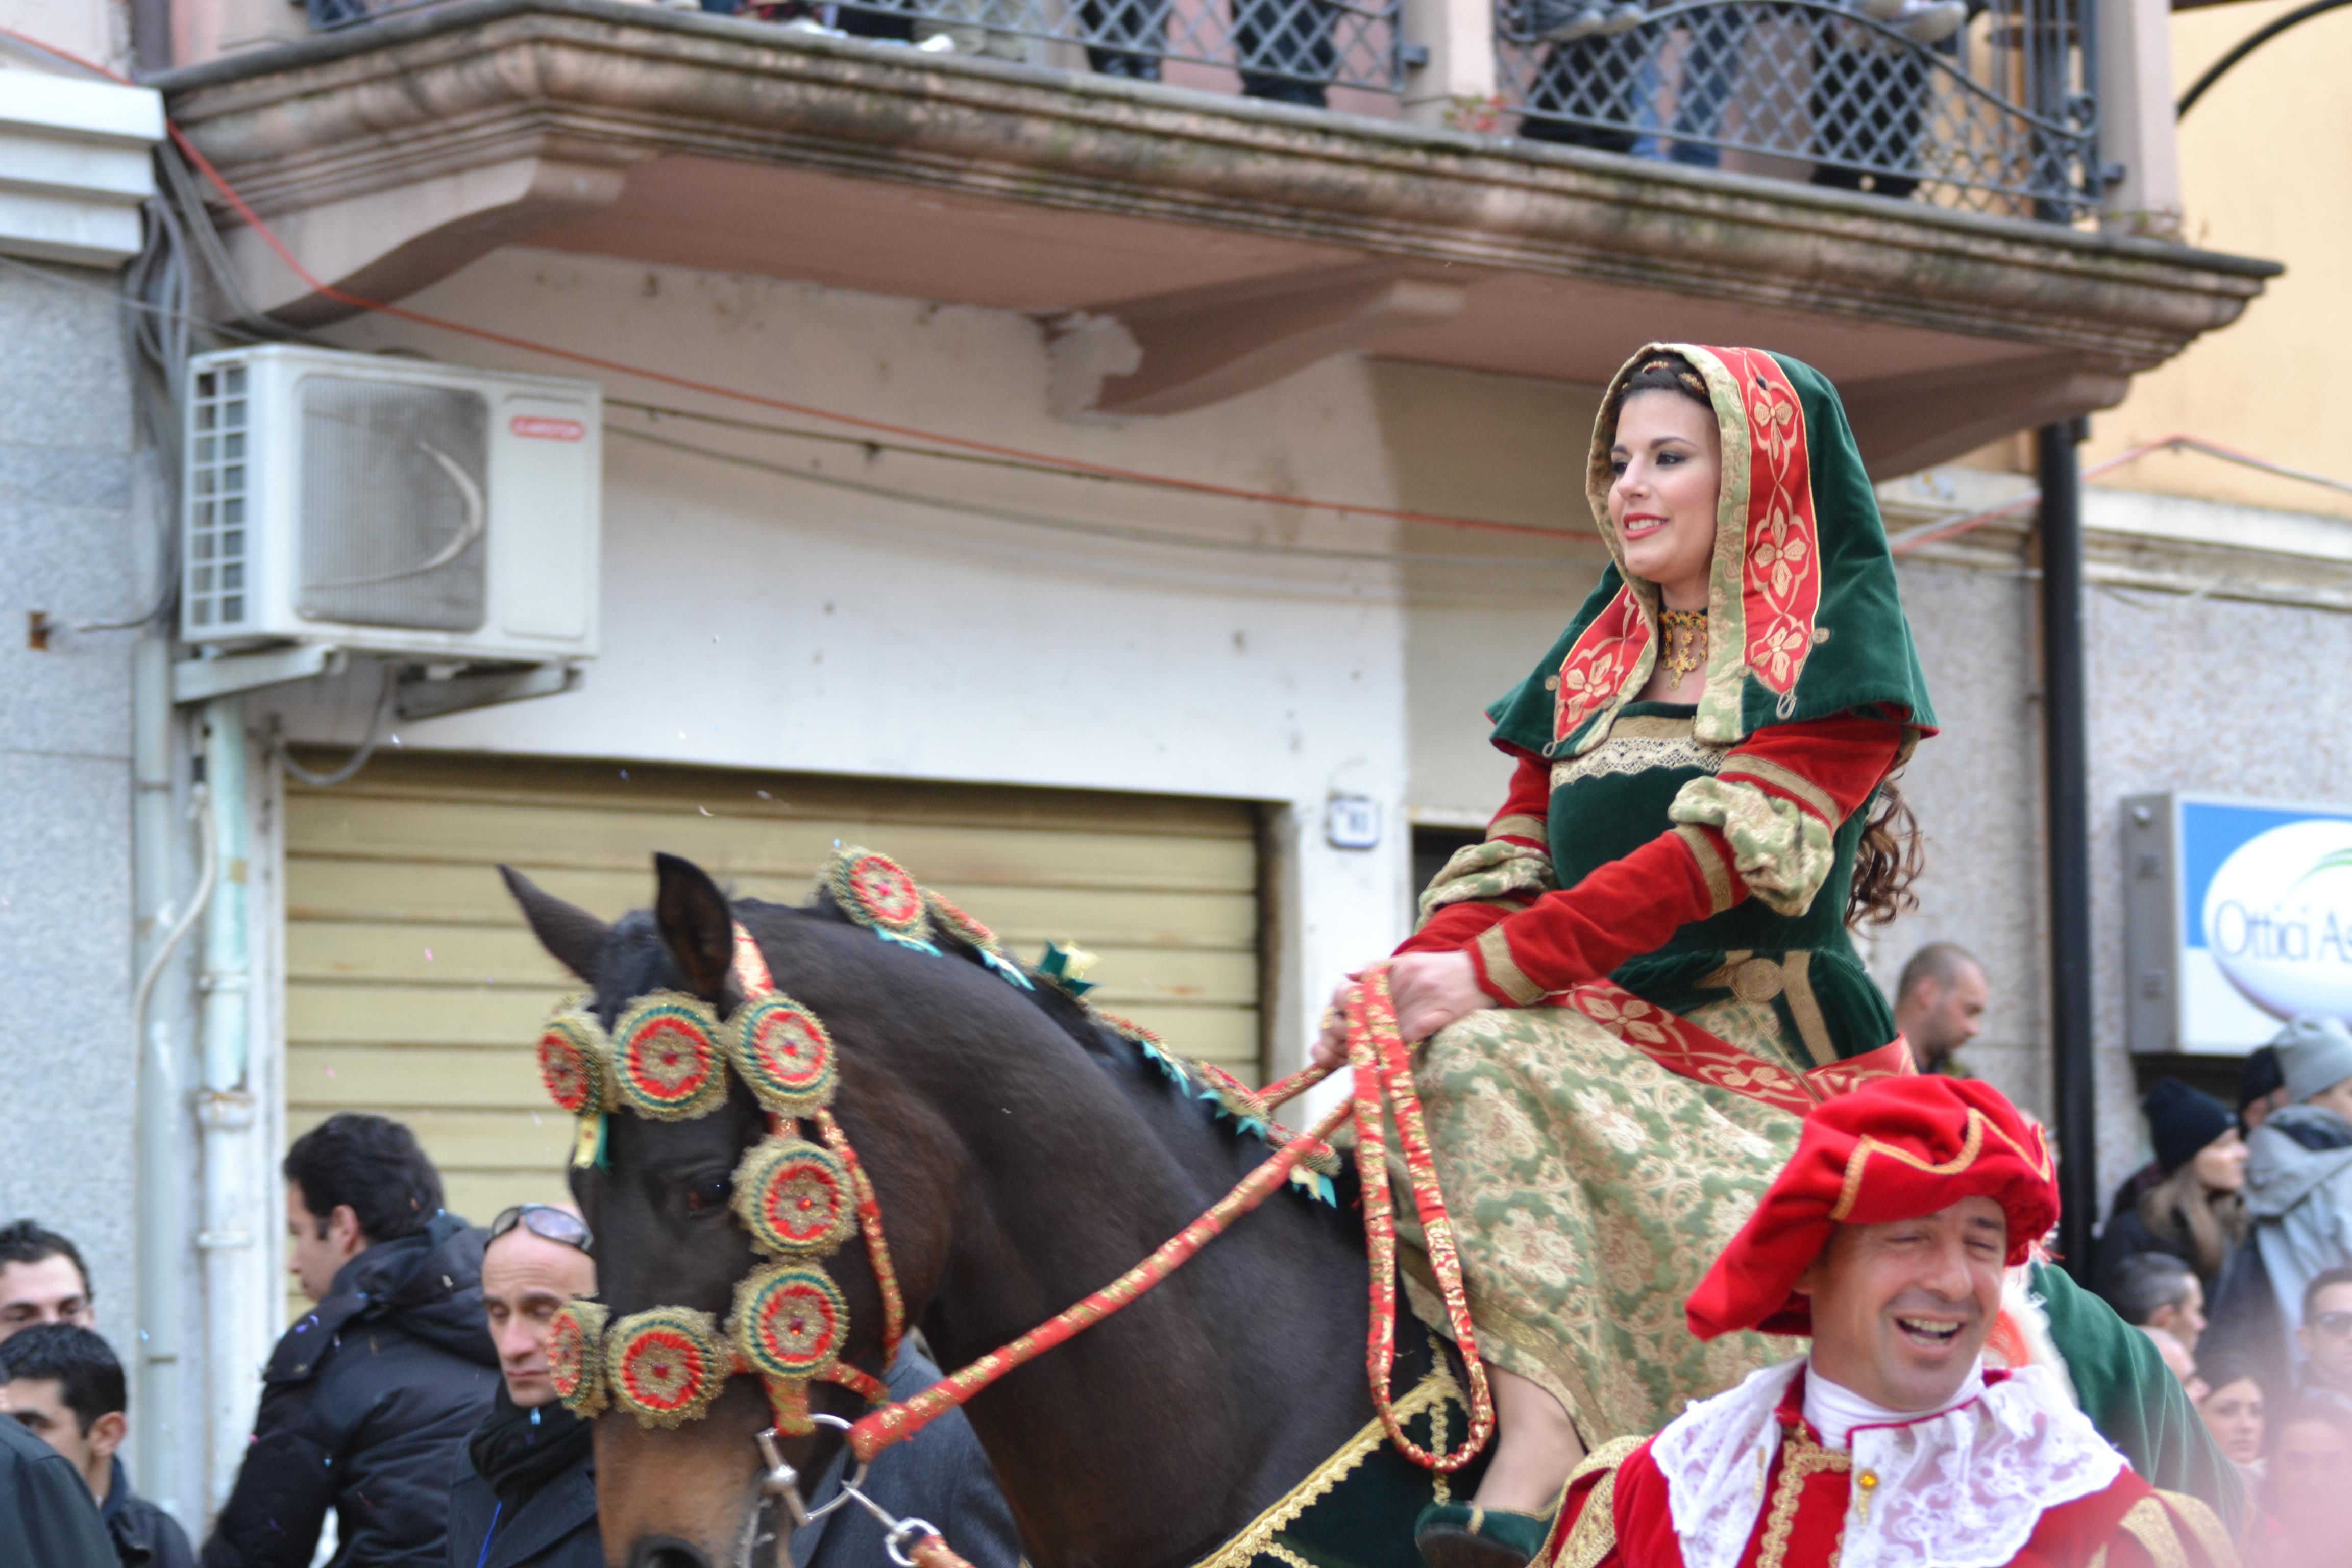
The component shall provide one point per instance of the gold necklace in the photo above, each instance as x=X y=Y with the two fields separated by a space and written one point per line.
x=1685 y=641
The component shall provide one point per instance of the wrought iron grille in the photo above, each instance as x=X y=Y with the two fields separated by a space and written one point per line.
x=1996 y=117
x=1288 y=49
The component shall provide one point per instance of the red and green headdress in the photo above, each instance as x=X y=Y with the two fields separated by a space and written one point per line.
x=1803 y=620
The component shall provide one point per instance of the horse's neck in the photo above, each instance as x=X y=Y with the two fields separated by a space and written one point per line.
x=1160 y=1432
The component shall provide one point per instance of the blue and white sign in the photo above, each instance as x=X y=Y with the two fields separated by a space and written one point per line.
x=2259 y=918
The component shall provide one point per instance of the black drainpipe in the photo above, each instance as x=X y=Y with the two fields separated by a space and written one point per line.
x=2066 y=787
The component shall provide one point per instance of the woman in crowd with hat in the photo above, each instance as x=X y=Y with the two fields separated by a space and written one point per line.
x=1891 y=1440
x=2195 y=1209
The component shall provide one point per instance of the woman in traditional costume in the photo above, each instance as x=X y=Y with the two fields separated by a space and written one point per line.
x=1633 y=990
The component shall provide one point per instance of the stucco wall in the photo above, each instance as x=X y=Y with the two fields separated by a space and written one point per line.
x=756 y=620
x=66 y=534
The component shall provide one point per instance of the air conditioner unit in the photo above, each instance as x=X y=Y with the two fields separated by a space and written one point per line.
x=393 y=506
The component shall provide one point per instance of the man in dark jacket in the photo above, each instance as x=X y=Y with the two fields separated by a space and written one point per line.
x=63 y=1385
x=366 y=1395
x=525 y=1495
x=47 y=1518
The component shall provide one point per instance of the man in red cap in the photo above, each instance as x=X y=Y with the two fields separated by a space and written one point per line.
x=1891 y=1445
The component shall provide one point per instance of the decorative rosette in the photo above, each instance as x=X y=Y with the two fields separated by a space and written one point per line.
x=666 y=1367
x=950 y=918
x=575 y=1060
x=667 y=1059
x=575 y=1356
x=783 y=1055
x=794 y=1198
x=790 y=1322
x=877 y=892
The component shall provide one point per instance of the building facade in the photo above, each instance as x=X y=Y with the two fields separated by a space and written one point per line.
x=899 y=343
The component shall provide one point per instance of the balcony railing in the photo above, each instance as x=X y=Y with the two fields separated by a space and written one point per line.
x=1291 y=50
x=1946 y=101
x=1994 y=114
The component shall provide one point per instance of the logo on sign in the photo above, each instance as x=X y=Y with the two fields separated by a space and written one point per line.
x=2278 y=919
x=538 y=428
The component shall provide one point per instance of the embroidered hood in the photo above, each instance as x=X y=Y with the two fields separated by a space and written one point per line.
x=1803 y=619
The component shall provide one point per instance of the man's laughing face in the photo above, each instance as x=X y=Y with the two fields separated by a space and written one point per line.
x=1900 y=1309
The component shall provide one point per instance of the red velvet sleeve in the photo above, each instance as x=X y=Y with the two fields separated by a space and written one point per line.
x=1633 y=905
x=1521 y=821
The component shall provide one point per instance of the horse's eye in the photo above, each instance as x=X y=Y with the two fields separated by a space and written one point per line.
x=707 y=1196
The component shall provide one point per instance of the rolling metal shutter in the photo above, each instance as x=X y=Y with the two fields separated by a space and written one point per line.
x=413 y=988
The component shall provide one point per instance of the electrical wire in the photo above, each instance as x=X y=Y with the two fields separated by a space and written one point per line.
x=200 y=810
x=1095 y=530
x=1911 y=539
x=379 y=727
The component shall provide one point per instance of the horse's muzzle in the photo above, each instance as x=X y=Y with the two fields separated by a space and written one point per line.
x=664 y=1551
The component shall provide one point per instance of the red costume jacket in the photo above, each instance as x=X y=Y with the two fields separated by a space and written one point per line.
x=1617 y=1514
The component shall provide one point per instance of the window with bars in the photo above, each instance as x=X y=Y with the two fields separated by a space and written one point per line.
x=219 y=461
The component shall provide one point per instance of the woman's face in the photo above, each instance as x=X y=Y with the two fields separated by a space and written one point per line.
x=2233 y=1414
x=2221 y=1164
x=1668 y=460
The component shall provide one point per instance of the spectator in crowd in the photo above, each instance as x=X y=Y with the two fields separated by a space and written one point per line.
x=2232 y=1411
x=2326 y=1340
x=2298 y=1197
x=64 y=1385
x=526 y=1488
x=47 y=1518
x=42 y=1279
x=2261 y=1088
x=2178 y=1360
x=1940 y=1004
x=369 y=1393
x=2196 y=1208
x=942 y=1476
x=2309 y=1524
x=2157 y=1291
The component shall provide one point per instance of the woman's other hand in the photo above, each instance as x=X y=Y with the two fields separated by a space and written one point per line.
x=1430 y=990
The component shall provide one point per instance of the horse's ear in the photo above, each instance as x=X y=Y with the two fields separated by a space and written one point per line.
x=698 y=925
x=572 y=935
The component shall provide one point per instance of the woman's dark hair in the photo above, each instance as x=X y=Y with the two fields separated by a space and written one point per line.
x=370 y=1162
x=1665 y=372
x=2182 y=1211
x=1887 y=862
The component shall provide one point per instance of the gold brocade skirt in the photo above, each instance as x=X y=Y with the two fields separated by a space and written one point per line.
x=1589 y=1190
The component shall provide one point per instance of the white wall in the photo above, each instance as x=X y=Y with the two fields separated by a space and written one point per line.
x=760 y=621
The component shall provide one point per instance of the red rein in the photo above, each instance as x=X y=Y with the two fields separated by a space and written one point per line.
x=1383 y=1076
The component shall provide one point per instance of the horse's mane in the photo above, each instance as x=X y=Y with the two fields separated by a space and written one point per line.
x=1106 y=1038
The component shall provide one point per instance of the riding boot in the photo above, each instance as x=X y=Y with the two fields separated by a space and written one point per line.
x=1463 y=1535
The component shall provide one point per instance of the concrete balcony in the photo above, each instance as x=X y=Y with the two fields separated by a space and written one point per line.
x=1182 y=246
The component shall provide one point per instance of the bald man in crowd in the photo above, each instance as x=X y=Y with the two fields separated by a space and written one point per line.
x=1940 y=1006
x=525 y=1494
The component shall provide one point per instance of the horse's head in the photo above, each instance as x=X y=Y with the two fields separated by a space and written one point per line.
x=658 y=1198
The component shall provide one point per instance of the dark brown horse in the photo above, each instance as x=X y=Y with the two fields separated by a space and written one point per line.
x=1025 y=1156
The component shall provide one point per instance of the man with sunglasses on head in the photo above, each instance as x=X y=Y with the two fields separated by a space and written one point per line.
x=525 y=1495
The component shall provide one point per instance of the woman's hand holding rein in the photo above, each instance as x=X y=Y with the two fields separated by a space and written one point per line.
x=1430 y=990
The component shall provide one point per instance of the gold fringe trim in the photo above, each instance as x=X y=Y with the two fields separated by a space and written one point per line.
x=1258 y=1539
x=2203 y=1523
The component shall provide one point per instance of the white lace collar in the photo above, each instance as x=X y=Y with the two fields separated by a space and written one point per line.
x=1832 y=1410
x=1961 y=1488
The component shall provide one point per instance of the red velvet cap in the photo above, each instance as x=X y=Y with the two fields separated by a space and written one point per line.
x=1892 y=1149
